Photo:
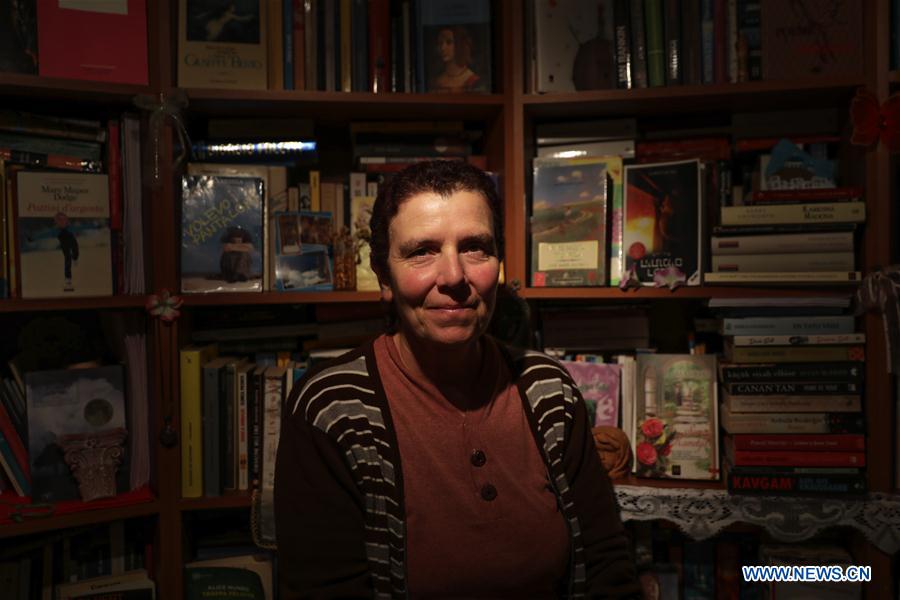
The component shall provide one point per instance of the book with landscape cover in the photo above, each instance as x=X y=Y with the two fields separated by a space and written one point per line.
x=662 y=234
x=62 y=402
x=303 y=260
x=222 y=234
x=222 y=44
x=675 y=432
x=63 y=234
x=568 y=222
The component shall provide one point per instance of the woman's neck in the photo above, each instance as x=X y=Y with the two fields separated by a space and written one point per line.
x=445 y=366
x=453 y=69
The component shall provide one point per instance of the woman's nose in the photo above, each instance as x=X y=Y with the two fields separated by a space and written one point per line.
x=450 y=271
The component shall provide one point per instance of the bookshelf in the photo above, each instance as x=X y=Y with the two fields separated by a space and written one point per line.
x=508 y=117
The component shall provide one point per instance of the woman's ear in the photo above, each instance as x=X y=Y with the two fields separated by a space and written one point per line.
x=384 y=282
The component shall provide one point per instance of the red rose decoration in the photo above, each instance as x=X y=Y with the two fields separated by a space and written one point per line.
x=652 y=428
x=637 y=251
x=665 y=450
x=646 y=454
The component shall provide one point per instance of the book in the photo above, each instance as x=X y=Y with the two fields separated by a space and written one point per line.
x=221 y=234
x=836 y=324
x=568 y=222
x=574 y=46
x=68 y=402
x=192 y=394
x=794 y=483
x=810 y=353
x=248 y=577
x=95 y=41
x=675 y=433
x=788 y=214
x=830 y=242
x=63 y=234
x=662 y=233
x=303 y=258
x=793 y=458
x=18 y=38
x=454 y=50
x=813 y=422
x=798 y=340
x=360 y=215
x=747 y=403
x=599 y=386
x=786 y=278
x=806 y=442
x=840 y=372
x=792 y=388
x=212 y=409
x=785 y=262
x=130 y=585
x=223 y=45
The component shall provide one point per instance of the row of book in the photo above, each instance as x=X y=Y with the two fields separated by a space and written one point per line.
x=648 y=43
x=71 y=213
x=330 y=45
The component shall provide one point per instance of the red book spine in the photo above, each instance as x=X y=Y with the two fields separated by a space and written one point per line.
x=299 y=33
x=15 y=442
x=380 y=45
x=804 y=442
x=788 y=458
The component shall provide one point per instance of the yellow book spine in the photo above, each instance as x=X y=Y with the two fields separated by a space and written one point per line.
x=192 y=360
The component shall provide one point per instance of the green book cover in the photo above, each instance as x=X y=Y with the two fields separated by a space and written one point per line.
x=204 y=583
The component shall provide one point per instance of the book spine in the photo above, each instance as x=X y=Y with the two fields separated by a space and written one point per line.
x=777 y=214
x=769 y=354
x=359 y=46
x=784 y=262
x=14 y=441
x=379 y=46
x=838 y=324
x=622 y=29
x=227 y=430
x=820 y=372
x=11 y=467
x=191 y=424
x=310 y=30
x=720 y=41
x=793 y=388
x=798 y=340
x=839 y=194
x=638 y=45
x=243 y=475
x=274 y=47
x=655 y=40
x=792 y=422
x=798 y=459
x=791 y=484
x=749 y=39
x=212 y=485
x=707 y=42
x=287 y=31
x=673 y=35
x=298 y=43
x=788 y=403
x=691 y=59
x=806 y=443
x=788 y=243
x=787 y=277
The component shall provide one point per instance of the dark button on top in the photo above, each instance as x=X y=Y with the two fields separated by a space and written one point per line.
x=478 y=458
x=488 y=492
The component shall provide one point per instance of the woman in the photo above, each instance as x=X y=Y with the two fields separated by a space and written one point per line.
x=454 y=49
x=433 y=461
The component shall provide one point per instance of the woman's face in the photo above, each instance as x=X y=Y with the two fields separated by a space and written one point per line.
x=445 y=44
x=443 y=267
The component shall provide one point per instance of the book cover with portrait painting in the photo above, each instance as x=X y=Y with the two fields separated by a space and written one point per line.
x=454 y=46
x=662 y=233
x=221 y=234
x=676 y=429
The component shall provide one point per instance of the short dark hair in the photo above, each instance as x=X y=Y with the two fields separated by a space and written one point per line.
x=442 y=177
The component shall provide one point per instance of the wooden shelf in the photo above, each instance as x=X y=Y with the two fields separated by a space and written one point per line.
x=234 y=500
x=78 y=519
x=646 y=293
x=341 y=106
x=24 y=305
x=748 y=96
x=51 y=88
x=669 y=483
x=237 y=298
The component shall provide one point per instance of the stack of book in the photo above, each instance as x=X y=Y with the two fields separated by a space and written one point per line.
x=792 y=405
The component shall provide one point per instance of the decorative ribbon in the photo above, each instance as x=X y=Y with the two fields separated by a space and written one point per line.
x=162 y=108
x=873 y=122
x=164 y=305
x=881 y=290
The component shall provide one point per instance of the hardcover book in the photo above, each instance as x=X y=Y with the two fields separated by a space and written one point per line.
x=568 y=222
x=221 y=234
x=303 y=260
x=599 y=386
x=675 y=433
x=662 y=236
x=69 y=402
x=222 y=44
x=454 y=50
x=96 y=41
x=63 y=234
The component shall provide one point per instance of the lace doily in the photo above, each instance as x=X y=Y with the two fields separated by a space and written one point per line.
x=702 y=514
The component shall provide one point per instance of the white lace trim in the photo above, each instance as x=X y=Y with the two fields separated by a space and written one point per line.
x=703 y=513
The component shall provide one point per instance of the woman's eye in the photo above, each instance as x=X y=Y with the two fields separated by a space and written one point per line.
x=419 y=252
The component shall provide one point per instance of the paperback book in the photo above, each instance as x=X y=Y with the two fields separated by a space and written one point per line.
x=303 y=260
x=454 y=49
x=568 y=222
x=675 y=432
x=221 y=234
x=662 y=236
x=63 y=234
x=599 y=386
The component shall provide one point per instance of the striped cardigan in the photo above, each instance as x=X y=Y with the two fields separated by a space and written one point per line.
x=339 y=485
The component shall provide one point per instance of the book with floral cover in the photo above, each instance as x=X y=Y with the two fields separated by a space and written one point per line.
x=599 y=386
x=675 y=431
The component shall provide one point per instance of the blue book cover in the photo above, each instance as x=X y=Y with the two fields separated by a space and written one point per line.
x=221 y=234
x=303 y=260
